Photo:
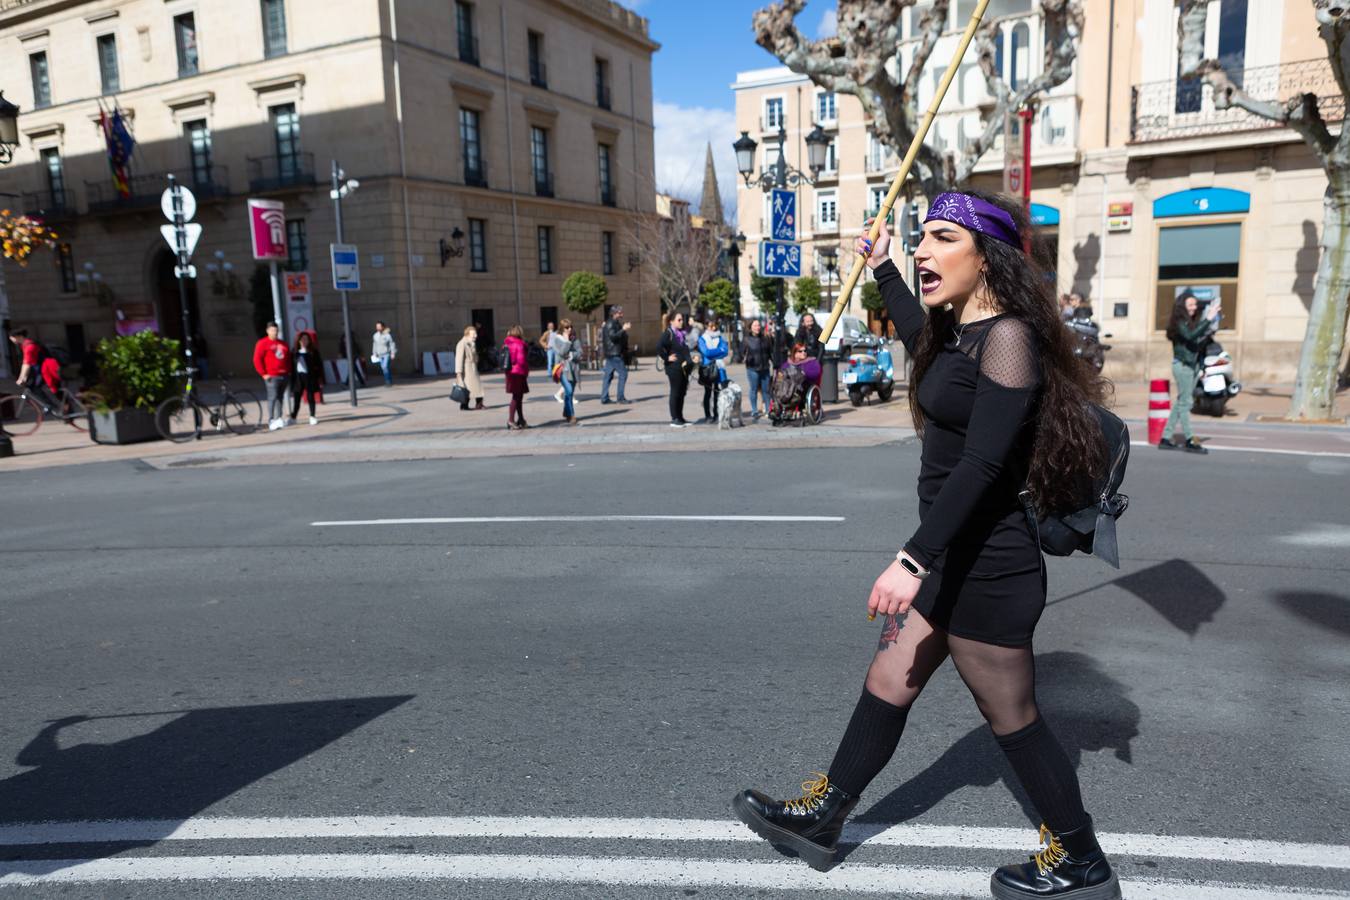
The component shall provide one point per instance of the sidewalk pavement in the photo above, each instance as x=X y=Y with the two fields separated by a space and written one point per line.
x=415 y=419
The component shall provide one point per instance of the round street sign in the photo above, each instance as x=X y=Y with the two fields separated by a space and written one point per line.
x=189 y=203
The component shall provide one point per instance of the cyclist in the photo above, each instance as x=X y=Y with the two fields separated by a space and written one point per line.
x=39 y=371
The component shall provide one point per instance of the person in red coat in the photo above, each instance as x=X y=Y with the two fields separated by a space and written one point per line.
x=272 y=362
x=517 y=377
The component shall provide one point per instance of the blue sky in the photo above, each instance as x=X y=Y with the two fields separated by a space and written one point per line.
x=704 y=43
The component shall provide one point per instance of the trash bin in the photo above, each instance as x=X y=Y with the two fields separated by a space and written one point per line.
x=829 y=378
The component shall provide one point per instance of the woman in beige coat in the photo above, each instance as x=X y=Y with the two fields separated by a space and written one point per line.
x=466 y=368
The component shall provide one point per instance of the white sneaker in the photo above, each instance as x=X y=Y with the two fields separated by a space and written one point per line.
x=274 y=425
x=558 y=396
x=313 y=420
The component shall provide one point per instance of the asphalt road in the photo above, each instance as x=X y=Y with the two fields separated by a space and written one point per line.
x=252 y=673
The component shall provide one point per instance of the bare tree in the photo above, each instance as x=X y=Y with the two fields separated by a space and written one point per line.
x=1315 y=384
x=862 y=62
x=684 y=257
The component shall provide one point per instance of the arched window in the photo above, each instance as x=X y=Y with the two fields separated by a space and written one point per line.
x=1021 y=55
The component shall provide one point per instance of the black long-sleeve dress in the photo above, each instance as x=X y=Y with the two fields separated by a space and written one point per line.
x=979 y=401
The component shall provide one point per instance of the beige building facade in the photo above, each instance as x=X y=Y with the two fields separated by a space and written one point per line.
x=1141 y=189
x=499 y=144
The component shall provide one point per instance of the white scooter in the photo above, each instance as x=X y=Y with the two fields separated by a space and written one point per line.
x=1215 y=383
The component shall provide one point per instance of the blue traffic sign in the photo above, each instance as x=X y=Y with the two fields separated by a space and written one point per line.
x=780 y=260
x=346 y=267
x=784 y=215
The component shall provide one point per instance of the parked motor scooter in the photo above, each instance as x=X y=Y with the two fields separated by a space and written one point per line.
x=868 y=372
x=1215 y=383
x=1087 y=344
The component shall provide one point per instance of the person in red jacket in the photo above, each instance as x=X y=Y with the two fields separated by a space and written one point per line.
x=517 y=377
x=272 y=362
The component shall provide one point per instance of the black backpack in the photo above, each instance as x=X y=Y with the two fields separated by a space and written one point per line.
x=1091 y=528
x=504 y=358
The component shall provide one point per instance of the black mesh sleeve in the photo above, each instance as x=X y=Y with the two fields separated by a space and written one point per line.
x=1005 y=397
x=902 y=307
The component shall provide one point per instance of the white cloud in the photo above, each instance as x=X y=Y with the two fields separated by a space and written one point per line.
x=682 y=136
x=829 y=23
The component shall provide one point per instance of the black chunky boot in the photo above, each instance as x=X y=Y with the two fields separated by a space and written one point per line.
x=1071 y=866
x=809 y=824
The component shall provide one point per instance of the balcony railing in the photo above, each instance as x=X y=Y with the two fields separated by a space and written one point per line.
x=476 y=176
x=145 y=189
x=50 y=205
x=771 y=124
x=538 y=74
x=602 y=96
x=543 y=184
x=281 y=173
x=1169 y=110
x=609 y=196
x=468 y=49
x=822 y=224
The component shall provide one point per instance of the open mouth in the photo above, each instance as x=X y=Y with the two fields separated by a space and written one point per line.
x=929 y=281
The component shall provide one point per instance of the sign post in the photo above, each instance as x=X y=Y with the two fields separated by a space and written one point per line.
x=179 y=206
x=267 y=233
x=781 y=258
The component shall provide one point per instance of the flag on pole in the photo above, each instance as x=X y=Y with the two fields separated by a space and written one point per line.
x=120 y=145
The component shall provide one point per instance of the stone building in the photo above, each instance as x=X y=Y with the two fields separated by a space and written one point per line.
x=1141 y=188
x=499 y=144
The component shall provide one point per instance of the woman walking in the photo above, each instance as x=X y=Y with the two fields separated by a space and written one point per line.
x=306 y=374
x=1185 y=330
x=567 y=353
x=756 y=351
x=1001 y=404
x=674 y=351
x=517 y=377
x=466 y=368
x=713 y=349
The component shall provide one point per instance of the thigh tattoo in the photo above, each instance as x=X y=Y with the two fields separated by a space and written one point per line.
x=890 y=631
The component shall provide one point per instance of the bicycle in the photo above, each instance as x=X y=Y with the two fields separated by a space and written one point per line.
x=180 y=418
x=23 y=413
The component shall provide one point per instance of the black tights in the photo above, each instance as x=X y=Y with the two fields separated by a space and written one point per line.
x=1003 y=682
x=295 y=402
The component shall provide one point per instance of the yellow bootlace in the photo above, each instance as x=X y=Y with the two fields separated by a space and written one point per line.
x=1052 y=854
x=813 y=792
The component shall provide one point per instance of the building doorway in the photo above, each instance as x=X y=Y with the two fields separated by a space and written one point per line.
x=168 y=307
x=483 y=320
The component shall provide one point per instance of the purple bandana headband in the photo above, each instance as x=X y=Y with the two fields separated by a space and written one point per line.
x=977 y=215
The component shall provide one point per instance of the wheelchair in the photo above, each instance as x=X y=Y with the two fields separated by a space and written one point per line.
x=804 y=406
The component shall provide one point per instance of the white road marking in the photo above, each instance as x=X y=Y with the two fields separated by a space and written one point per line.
x=586 y=870
x=1212 y=446
x=1321 y=535
x=1217 y=849
x=494 y=520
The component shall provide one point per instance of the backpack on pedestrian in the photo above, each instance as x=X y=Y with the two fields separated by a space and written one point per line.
x=504 y=358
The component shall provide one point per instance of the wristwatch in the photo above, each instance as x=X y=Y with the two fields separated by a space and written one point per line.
x=911 y=566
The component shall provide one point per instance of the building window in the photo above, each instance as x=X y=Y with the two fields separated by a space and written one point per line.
x=56 y=178
x=42 y=83
x=773 y=114
x=770 y=157
x=1200 y=260
x=545 y=250
x=548 y=315
x=1233 y=38
x=297 y=246
x=602 y=98
x=831 y=157
x=876 y=196
x=468 y=44
x=825 y=107
x=607 y=252
x=470 y=142
x=65 y=262
x=543 y=180
x=199 y=152
x=538 y=74
x=286 y=128
x=185 y=39
x=827 y=210
x=606 y=181
x=1021 y=56
x=274 y=28
x=477 y=245
x=107 y=63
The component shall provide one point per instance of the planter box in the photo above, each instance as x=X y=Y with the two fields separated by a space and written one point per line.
x=122 y=426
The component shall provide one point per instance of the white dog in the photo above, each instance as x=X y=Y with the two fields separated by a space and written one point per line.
x=729 y=406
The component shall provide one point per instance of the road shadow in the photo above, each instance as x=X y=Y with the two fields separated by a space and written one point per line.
x=1177 y=591
x=1328 y=611
x=168 y=774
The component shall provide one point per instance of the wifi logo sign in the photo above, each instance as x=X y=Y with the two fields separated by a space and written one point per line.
x=267 y=228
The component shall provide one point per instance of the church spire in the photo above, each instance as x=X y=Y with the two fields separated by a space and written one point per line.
x=710 y=205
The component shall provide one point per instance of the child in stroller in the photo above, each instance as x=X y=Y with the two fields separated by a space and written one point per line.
x=795 y=392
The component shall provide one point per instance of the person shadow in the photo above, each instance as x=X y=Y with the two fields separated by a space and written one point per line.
x=1088 y=710
x=150 y=783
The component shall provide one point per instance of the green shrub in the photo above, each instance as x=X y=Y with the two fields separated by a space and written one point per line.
x=720 y=296
x=871 y=298
x=137 y=371
x=806 y=294
x=584 y=292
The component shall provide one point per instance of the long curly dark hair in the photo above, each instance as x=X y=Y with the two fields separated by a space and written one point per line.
x=1068 y=449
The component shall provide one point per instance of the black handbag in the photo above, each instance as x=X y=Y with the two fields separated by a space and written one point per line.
x=459 y=394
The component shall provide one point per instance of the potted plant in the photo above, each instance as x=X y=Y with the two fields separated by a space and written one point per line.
x=135 y=377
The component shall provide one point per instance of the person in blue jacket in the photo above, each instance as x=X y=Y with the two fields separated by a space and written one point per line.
x=713 y=349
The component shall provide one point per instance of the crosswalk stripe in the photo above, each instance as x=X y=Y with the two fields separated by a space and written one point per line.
x=1217 y=849
x=922 y=880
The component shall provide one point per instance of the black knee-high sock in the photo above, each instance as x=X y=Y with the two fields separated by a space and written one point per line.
x=869 y=741
x=1046 y=775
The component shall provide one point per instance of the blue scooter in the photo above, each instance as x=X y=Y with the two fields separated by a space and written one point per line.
x=868 y=372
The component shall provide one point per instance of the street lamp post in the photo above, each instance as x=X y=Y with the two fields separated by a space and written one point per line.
x=734 y=244
x=340 y=186
x=782 y=176
x=831 y=256
x=9 y=139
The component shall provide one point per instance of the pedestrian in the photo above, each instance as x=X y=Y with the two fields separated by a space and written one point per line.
x=466 y=368
x=272 y=362
x=306 y=375
x=356 y=360
x=383 y=351
x=1002 y=405
x=567 y=354
x=713 y=351
x=808 y=335
x=546 y=341
x=1187 y=327
x=517 y=377
x=675 y=351
x=614 y=343
x=756 y=351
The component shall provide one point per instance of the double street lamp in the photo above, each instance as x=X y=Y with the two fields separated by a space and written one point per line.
x=782 y=176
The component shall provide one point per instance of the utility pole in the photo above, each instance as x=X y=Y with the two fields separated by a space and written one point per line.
x=339 y=188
